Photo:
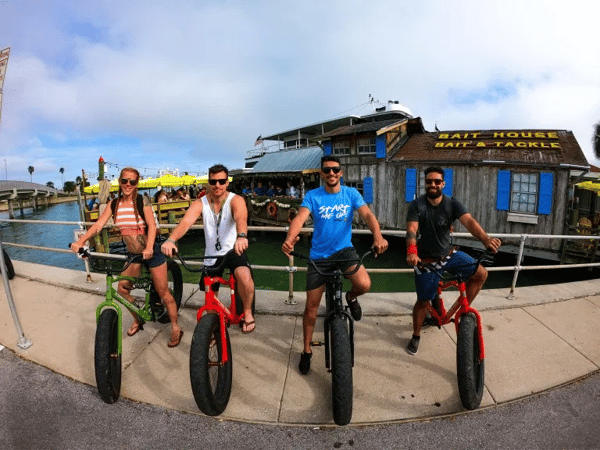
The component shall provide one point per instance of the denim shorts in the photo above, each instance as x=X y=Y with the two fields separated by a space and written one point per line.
x=314 y=279
x=157 y=259
x=457 y=263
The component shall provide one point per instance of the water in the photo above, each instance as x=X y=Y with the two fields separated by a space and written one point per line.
x=266 y=251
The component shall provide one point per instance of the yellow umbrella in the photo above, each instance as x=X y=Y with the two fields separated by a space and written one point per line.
x=148 y=183
x=187 y=180
x=169 y=180
x=201 y=179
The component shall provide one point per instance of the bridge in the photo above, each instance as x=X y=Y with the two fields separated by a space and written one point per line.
x=22 y=192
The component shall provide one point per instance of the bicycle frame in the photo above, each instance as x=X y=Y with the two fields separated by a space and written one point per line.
x=461 y=306
x=212 y=304
x=113 y=299
x=334 y=307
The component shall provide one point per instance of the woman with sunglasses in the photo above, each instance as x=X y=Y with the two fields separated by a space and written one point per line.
x=138 y=229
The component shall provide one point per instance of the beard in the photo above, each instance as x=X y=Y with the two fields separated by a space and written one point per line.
x=435 y=193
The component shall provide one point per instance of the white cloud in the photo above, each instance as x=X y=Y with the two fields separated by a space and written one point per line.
x=198 y=82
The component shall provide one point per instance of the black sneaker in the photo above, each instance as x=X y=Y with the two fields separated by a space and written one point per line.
x=304 y=365
x=413 y=346
x=430 y=322
x=355 y=308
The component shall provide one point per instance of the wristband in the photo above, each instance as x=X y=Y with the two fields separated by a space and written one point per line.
x=412 y=249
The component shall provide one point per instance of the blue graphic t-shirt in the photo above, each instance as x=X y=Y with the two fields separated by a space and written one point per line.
x=332 y=216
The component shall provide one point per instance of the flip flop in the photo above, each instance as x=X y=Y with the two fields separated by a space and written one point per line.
x=139 y=328
x=176 y=342
x=243 y=324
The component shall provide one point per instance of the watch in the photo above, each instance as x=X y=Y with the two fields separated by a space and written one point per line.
x=242 y=235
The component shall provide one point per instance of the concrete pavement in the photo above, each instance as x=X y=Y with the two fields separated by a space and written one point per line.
x=543 y=338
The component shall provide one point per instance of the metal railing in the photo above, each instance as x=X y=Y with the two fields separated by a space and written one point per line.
x=291 y=269
x=24 y=343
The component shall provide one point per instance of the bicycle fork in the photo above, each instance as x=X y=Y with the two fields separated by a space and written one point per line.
x=335 y=308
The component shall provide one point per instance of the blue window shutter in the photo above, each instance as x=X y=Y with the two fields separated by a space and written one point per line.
x=327 y=148
x=448 y=178
x=546 y=186
x=503 y=195
x=368 y=189
x=380 y=146
x=411 y=185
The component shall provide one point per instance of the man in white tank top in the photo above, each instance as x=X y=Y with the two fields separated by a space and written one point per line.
x=225 y=219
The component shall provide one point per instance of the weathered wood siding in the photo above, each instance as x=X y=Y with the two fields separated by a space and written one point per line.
x=474 y=186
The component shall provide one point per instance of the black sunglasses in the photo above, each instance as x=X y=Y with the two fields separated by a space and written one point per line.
x=436 y=181
x=131 y=181
x=335 y=169
x=214 y=181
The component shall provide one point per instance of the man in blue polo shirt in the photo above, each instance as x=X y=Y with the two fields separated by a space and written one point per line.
x=331 y=207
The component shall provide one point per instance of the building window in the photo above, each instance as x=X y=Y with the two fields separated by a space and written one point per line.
x=366 y=145
x=524 y=192
x=341 y=148
x=358 y=185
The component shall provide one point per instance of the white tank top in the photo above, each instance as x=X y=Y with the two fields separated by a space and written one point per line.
x=220 y=231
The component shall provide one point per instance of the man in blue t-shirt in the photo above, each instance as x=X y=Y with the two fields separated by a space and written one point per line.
x=332 y=207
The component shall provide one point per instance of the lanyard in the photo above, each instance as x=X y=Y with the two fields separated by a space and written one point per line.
x=218 y=222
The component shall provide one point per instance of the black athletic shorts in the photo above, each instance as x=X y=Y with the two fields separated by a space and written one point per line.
x=314 y=279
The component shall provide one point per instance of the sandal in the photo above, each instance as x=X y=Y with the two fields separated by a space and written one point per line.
x=175 y=343
x=137 y=328
x=244 y=326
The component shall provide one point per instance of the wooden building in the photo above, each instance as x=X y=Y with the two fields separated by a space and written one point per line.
x=511 y=181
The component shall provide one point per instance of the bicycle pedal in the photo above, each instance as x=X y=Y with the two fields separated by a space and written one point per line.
x=316 y=343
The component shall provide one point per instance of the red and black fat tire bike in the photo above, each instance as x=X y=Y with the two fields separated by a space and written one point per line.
x=211 y=360
x=470 y=350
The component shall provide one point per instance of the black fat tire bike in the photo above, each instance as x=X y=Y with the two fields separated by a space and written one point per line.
x=339 y=336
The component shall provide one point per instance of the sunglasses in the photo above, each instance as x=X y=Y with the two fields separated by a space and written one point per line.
x=436 y=181
x=131 y=181
x=214 y=181
x=328 y=170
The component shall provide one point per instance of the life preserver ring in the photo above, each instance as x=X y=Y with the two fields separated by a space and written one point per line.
x=292 y=213
x=272 y=209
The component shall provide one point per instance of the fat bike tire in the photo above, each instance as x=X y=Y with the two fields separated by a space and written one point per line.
x=10 y=270
x=175 y=280
x=209 y=375
x=107 y=359
x=469 y=369
x=341 y=371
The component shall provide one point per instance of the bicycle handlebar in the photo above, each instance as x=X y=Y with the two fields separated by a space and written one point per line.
x=203 y=268
x=485 y=257
x=131 y=259
x=328 y=274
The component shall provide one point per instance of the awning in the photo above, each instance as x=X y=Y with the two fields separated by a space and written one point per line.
x=298 y=160
x=589 y=186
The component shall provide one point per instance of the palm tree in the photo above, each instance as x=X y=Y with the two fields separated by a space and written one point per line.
x=62 y=175
x=596 y=139
x=30 y=169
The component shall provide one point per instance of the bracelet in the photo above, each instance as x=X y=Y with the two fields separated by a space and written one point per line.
x=412 y=249
x=171 y=241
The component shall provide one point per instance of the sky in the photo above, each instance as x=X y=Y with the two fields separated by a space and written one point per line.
x=188 y=84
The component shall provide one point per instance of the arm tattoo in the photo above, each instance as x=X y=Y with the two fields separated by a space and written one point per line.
x=411 y=235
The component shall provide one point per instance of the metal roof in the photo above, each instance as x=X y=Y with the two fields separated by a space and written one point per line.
x=360 y=128
x=289 y=160
x=319 y=128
